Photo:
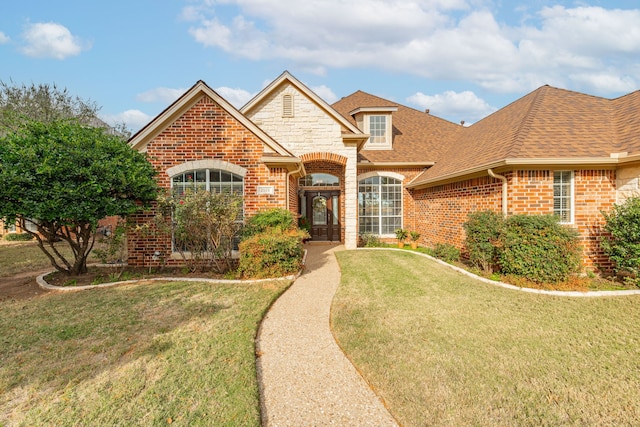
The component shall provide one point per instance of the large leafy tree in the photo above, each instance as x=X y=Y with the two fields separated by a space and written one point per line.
x=65 y=176
x=43 y=103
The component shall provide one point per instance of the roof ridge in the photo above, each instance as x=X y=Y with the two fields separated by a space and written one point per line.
x=527 y=123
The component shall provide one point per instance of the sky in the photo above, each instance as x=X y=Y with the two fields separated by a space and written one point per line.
x=461 y=59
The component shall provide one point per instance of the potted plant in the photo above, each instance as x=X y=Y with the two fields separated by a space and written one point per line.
x=414 y=236
x=401 y=235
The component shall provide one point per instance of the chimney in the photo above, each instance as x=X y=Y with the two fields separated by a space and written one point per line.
x=426 y=111
x=461 y=122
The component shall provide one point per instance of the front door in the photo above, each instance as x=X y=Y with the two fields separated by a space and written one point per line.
x=323 y=213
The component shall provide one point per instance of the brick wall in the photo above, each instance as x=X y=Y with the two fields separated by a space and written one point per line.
x=206 y=131
x=442 y=210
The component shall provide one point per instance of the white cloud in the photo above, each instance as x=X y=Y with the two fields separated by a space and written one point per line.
x=51 y=40
x=325 y=93
x=165 y=95
x=459 y=105
x=4 y=38
x=236 y=97
x=437 y=39
x=133 y=119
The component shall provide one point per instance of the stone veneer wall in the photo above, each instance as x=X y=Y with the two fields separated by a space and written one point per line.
x=312 y=131
x=203 y=133
x=442 y=210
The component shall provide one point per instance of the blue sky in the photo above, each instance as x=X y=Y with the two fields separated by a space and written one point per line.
x=462 y=59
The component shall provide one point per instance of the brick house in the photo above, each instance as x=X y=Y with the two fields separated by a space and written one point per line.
x=370 y=165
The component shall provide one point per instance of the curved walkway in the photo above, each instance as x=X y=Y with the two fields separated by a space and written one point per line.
x=305 y=379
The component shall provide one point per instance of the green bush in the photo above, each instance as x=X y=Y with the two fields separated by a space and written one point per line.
x=18 y=237
x=369 y=240
x=539 y=248
x=623 y=245
x=483 y=230
x=446 y=252
x=271 y=253
x=278 y=218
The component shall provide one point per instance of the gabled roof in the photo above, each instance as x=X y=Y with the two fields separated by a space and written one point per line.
x=286 y=77
x=418 y=137
x=139 y=140
x=549 y=126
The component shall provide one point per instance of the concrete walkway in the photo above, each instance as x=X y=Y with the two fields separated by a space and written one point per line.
x=305 y=379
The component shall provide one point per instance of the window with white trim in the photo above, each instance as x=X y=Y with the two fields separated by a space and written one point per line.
x=378 y=130
x=379 y=205
x=213 y=180
x=563 y=195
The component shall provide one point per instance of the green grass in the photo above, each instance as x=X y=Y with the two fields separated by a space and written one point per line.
x=444 y=349
x=25 y=257
x=179 y=353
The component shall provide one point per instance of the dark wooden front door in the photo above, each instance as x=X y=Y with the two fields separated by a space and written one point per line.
x=323 y=213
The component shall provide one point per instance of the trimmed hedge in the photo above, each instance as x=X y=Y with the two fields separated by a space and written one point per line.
x=536 y=247
x=539 y=248
x=278 y=218
x=271 y=253
x=18 y=237
x=623 y=245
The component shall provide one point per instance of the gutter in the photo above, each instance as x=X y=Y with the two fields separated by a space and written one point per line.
x=300 y=168
x=504 y=190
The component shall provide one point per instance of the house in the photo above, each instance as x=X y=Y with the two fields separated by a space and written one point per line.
x=369 y=165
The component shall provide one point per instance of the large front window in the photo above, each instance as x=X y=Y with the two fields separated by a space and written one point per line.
x=213 y=180
x=563 y=195
x=379 y=205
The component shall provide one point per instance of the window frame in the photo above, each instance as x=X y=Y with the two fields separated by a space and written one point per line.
x=397 y=189
x=377 y=141
x=568 y=197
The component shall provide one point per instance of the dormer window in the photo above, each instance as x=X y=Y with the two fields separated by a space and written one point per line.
x=377 y=130
x=376 y=121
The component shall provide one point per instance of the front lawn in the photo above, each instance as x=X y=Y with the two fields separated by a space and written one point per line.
x=154 y=354
x=444 y=349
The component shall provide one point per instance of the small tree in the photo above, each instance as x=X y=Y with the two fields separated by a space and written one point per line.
x=204 y=226
x=623 y=244
x=63 y=177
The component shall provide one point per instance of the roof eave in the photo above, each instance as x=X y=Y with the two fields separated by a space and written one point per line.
x=291 y=164
x=374 y=165
x=556 y=162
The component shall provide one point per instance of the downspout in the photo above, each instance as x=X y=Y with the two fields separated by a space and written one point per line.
x=287 y=182
x=504 y=191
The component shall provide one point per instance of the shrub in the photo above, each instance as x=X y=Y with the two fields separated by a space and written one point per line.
x=483 y=230
x=446 y=252
x=18 y=237
x=539 y=248
x=623 y=245
x=278 y=218
x=271 y=253
x=369 y=240
x=203 y=226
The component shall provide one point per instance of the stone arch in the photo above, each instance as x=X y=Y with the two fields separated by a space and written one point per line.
x=206 y=164
x=327 y=157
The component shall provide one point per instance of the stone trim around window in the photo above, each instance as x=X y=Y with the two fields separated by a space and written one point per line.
x=206 y=164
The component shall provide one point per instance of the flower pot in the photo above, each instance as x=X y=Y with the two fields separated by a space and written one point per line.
x=401 y=245
x=414 y=245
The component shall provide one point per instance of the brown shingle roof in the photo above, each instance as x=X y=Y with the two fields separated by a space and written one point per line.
x=548 y=123
x=417 y=136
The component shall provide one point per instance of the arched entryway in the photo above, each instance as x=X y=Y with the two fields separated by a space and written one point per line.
x=321 y=194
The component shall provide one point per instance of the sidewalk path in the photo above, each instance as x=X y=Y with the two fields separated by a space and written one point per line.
x=305 y=379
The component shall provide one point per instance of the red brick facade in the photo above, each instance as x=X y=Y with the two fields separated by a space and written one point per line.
x=207 y=131
x=442 y=210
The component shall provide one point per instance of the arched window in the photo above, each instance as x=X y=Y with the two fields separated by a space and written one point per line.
x=213 y=180
x=319 y=180
x=379 y=205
